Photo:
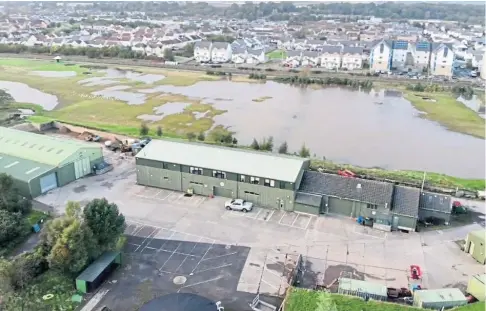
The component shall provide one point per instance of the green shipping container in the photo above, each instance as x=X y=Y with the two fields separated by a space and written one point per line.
x=476 y=287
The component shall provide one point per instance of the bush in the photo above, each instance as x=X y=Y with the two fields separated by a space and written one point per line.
x=11 y=226
x=256 y=76
x=120 y=244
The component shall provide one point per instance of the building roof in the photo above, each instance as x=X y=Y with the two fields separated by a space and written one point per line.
x=244 y=162
x=220 y=45
x=308 y=199
x=22 y=169
x=39 y=148
x=373 y=192
x=406 y=201
x=480 y=234
x=352 y=50
x=202 y=44
x=292 y=53
x=436 y=202
x=362 y=287
x=440 y=295
x=331 y=49
x=96 y=268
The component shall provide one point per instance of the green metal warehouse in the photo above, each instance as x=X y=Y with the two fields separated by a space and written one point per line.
x=266 y=179
x=39 y=163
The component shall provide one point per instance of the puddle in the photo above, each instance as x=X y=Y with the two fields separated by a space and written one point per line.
x=474 y=104
x=26 y=112
x=79 y=189
x=97 y=81
x=150 y=117
x=129 y=97
x=22 y=93
x=54 y=74
x=199 y=115
x=171 y=108
x=134 y=76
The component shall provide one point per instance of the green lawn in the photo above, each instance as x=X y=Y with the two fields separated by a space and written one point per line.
x=306 y=300
x=41 y=65
x=277 y=54
x=448 y=112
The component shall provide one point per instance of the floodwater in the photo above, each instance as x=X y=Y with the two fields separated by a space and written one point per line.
x=131 y=75
x=375 y=129
x=94 y=81
x=171 y=108
x=22 y=93
x=54 y=74
x=474 y=104
x=116 y=93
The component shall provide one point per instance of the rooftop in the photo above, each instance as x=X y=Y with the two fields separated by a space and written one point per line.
x=481 y=234
x=22 y=169
x=96 y=268
x=440 y=295
x=362 y=286
x=245 y=162
x=37 y=147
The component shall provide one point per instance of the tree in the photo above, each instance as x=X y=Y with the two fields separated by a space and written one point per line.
x=201 y=136
x=73 y=249
x=191 y=136
x=254 y=145
x=168 y=55
x=73 y=209
x=304 y=151
x=267 y=144
x=52 y=231
x=10 y=226
x=10 y=200
x=159 y=131
x=188 y=50
x=228 y=138
x=105 y=221
x=283 y=148
x=144 y=129
x=235 y=141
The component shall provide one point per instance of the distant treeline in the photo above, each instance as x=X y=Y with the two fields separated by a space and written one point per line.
x=325 y=81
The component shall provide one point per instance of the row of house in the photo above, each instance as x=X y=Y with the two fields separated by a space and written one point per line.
x=434 y=58
x=328 y=57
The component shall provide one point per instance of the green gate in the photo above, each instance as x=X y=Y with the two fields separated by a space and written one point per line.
x=340 y=207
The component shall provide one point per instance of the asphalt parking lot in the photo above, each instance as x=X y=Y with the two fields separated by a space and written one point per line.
x=171 y=231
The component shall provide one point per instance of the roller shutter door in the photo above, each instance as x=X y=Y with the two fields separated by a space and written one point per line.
x=304 y=208
x=48 y=182
x=222 y=192
x=82 y=167
x=341 y=207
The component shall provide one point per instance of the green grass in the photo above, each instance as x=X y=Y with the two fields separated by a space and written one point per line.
x=40 y=65
x=412 y=177
x=448 y=112
x=34 y=217
x=50 y=282
x=277 y=54
x=261 y=99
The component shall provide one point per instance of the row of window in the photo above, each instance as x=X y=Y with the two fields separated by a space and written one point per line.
x=243 y=178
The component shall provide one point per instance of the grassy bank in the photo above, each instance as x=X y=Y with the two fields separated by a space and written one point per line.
x=447 y=111
x=305 y=300
x=404 y=176
x=277 y=54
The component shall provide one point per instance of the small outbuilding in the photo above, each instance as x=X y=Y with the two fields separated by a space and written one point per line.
x=475 y=245
x=437 y=299
x=363 y=289
x=476 y=287
x=98 y=271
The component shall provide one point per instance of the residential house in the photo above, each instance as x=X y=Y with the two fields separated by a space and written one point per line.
x=299 y=44
x=351 y=58
x=381 y=56
x=293 y=58
x=139 y=47
x=315 y=45
x=256 y=56
x=202 y=51
x=331 y=57
x=402 y=55
x=423 y=51
x=442 y=59
x=310 y=58
x=239 y=55
x=220 y=52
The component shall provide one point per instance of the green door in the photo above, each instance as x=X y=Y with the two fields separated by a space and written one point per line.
x=304 y=208
x=339 y=206
x=222 y=192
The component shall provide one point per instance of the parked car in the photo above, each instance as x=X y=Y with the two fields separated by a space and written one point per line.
x=238 y=205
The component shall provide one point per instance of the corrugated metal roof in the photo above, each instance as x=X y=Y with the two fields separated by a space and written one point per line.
x=38 y=148
x=481 y=278
x=97 y=267
x=440 y=295
x=406 y=201
x=308 y=199
x=22 y=169
x=362 y=286
x=245 y=162
x=480 y=234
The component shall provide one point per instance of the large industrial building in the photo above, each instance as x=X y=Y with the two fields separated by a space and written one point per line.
x=265 y=179
x=39 y=163
x=284 y=182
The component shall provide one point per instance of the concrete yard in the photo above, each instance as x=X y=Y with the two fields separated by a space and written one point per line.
x=230 y=256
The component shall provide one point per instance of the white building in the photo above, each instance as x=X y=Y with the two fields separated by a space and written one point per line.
x=331 y=57
x=220 y=52
x=255 y=56
x=423 y=50
x=381 y=56
x=239 y=55
x=202 y=51
x=310 y=58
x=441 y=60
x=352 y=58
x=293 y=58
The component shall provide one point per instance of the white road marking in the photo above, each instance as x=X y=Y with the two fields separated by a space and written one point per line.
x=308 y=223
x=256 y=216
x=213 y=268
x=164 y=198
x=95 y=300
x=271 y=214
x=293 y=222
x=220 y=256
x=197 y=265
x=263 y=281
x=280 y=221
x=170 y=256
x=146 y=238
x=199 y=283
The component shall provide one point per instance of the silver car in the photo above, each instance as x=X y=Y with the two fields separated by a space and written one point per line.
x=238 y=205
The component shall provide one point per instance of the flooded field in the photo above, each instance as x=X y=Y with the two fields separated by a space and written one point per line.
x=22 y=93
x=54 y=74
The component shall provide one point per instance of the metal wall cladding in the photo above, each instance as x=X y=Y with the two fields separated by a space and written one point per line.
x=439 y=304
x=158 y=177
x=424 y=214
x=476 y=288
x=303 y=208
x=204 y=185
x=35 y=185
x=407 y=222
x=269 y=197
x=66 y=174
x=361 y=294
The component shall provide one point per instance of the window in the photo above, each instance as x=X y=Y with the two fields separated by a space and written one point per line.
x=219 y=174
x=242 y=178
x=254 y=180
x=166 y=178
x=196 y=170
x=372 y=206
x=269 y=183
x=165 y=166
x=446 y=51
x=196 y=183
x=252 y=193
x=382 y=48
